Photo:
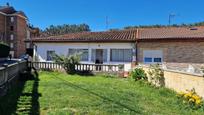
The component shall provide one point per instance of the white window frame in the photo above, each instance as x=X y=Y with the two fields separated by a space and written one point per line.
x=12 y=53
x=12 y=19
x=111 y=58
x=11 y=45
x=27 y=45
x=11 y=36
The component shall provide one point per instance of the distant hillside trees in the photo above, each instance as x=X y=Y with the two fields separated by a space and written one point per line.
x=64 y=29
x=159 y=26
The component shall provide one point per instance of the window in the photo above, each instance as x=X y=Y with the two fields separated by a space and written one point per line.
x=11 y=28
x=158 y=60
x=11 y=36
x=50 y=55
x=83 y=52
x=12 y=19
x=121 y=55
x=148 y=59
x=11 y=45
x=27 y=45
x=12 y=54
x=153 y=56
x=93 y=55
x=28 y=34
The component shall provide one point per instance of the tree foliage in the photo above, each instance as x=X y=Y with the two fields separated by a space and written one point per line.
x=68 y=62
x=160 y=26
x=64 y=29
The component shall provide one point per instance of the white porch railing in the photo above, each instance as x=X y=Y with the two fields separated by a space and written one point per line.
x=78 y=67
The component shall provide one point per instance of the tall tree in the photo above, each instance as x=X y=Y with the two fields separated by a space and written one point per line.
x=64 y=29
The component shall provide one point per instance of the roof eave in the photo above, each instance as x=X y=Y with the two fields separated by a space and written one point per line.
x=191 y=39
x=78 y=41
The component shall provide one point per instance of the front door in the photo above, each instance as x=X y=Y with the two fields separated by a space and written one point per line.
x=99 y=56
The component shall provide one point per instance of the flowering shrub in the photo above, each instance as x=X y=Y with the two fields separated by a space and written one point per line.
x=156 y=74
x=202 y=69
x=191 y=99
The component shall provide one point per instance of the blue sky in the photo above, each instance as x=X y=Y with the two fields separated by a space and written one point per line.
x=43 y=13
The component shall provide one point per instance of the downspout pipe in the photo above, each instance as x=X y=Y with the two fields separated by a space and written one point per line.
x=136 y=46
x=136 y=52
x=5 y=29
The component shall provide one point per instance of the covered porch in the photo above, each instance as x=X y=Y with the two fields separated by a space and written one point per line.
x=91 y=53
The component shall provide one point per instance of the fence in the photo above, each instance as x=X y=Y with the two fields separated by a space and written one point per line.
x=78 y=67
x=9 y=72
x=190 y=68
x=182 y=81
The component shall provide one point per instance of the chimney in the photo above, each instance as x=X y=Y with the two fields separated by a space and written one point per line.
x=7 y=4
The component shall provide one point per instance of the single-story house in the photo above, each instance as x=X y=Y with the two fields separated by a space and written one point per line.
x=169 y=45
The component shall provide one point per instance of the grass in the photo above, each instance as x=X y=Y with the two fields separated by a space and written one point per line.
x=60 y=94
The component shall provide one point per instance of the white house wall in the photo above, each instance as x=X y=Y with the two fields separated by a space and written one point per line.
x=62 y=49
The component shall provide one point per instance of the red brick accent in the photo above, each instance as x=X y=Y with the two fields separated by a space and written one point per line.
x=19 y=31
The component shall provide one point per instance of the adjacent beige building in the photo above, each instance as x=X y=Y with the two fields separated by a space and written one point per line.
x=172 y=46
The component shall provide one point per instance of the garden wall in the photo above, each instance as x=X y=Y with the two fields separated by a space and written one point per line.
x=180 y=81
x=10 y=73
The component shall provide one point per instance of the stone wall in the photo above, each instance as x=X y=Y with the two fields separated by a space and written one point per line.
x=10 y=73
x=181 y=82
x=175 y=53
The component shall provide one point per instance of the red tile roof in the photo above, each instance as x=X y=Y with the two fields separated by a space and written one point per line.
x=7 y=10
x=171 y=33
x=11 y=10
x=167 y=33
x=111 y=36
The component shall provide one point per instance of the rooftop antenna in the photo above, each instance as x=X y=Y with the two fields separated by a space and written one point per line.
x=171 y=16
x=108 y=22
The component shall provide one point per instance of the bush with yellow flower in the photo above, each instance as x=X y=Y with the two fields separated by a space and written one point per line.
x=191 y=99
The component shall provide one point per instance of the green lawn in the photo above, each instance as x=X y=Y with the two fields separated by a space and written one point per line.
x=58 y=94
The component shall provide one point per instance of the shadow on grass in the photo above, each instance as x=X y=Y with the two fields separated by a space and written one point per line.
x=98 y=95
x=83 y=73
x=16 y=101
